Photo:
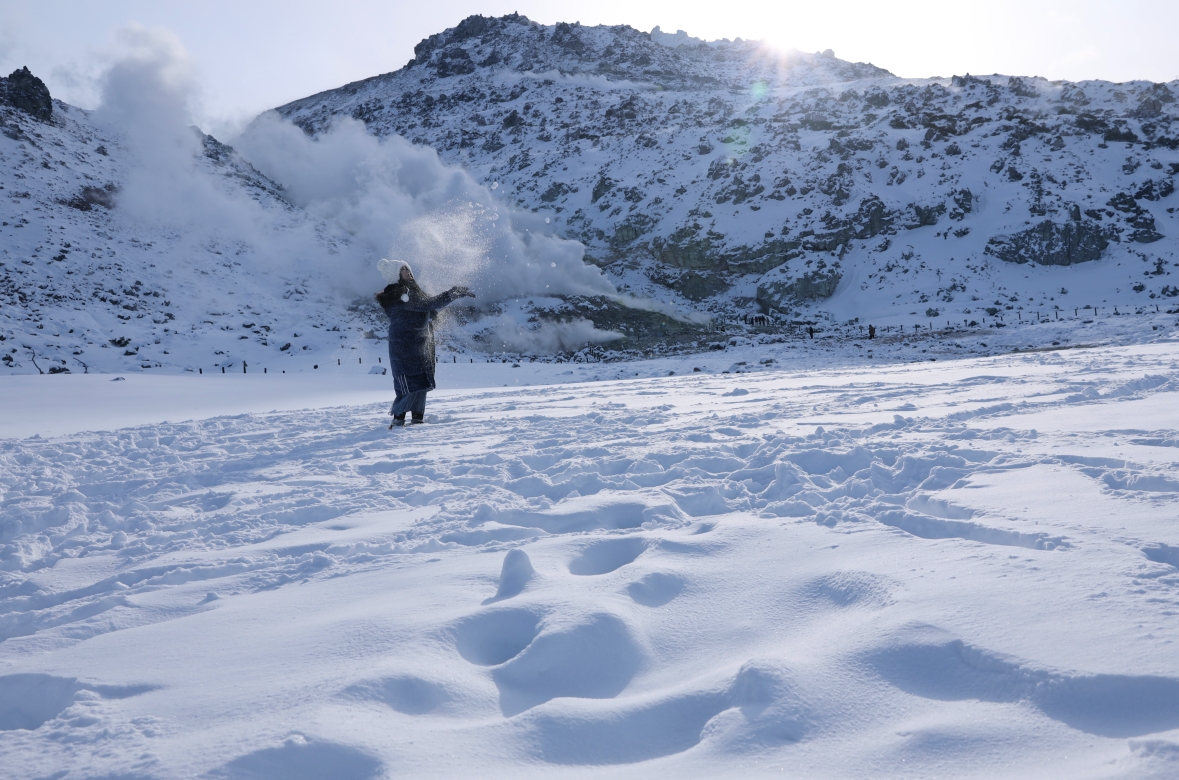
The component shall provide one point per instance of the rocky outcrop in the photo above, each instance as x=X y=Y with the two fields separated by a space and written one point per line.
x=1152 y=190
x=687 y=249
x=811 y=286
x=25 y=91
x=690 y=254
x=662 y=160
x=1050 y=243
x=1140 y=220
x=697 y=287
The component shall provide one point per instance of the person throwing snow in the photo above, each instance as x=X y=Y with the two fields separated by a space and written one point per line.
x=411 y=337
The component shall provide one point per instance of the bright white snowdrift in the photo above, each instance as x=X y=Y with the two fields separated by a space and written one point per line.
x=962 y=568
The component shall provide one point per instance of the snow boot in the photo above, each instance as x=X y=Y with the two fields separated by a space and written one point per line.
x=398 y=421
x=418 y=418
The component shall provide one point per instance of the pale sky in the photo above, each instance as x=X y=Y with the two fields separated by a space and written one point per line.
x=250 y=55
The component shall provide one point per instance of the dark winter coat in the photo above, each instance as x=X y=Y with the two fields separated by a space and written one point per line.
x=411 y=333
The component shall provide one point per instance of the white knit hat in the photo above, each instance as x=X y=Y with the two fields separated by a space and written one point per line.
x=391 y=269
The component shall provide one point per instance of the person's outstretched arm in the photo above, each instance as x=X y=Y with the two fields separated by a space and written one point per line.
x=428 y=303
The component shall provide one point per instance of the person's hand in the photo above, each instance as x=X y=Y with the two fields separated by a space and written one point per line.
x=463 y=292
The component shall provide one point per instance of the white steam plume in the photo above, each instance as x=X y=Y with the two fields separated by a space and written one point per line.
x=146 y=92
x=378 y=197
x=403 y=202
x=510 y=335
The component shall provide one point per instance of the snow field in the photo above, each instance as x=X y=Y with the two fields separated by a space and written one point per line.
x=962 y=568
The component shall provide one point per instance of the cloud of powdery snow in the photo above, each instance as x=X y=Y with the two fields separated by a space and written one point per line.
x=404 y=203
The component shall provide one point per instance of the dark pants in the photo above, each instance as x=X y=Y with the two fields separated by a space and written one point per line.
x=411 y=394
x=410 y=402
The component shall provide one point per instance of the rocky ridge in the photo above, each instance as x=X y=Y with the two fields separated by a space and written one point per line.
x=734 y=178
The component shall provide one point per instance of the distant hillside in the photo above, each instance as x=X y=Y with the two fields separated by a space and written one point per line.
x=722 y=177
x=738 y=178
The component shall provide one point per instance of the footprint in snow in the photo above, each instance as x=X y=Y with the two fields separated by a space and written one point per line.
x=608 y=555
x=655 y=589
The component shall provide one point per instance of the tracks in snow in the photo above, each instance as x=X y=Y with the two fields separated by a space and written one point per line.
x=630 y=485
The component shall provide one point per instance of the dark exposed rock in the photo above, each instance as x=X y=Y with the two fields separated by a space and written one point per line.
x=1071 y=93
x=963 y=204
x=872 y=219
x=1151 y=190
x=1144 y=229
x=1021 y=87
x=471 y=27
x=1152 y=100
x=761 y=258
x=555 y=190
x=603 y=186
x=25 y=91
x=631 y=228
x=696 y=287
x=813 y=285
x=454 y=61
x=685 y=252
x=1120 y=135
x=90 y=197
x=838 y=185
x=1146 y=234
x=739 y=190
x=968 y=81
x=1148 y=108
x=1124 y=202
x=565 y=37
x=720 y=168
x=214 y=149
x=624 y=110
x=925 y=215
x=1051 y=243
x=1141 y=220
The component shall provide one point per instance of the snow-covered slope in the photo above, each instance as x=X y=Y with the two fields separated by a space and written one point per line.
x=725 y=177
x=748 y=179
x=117 y=253
x=965 y=568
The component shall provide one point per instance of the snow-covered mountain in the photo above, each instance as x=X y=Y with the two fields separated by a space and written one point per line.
x=722 y=177
x=115 y=255
x=744 y=178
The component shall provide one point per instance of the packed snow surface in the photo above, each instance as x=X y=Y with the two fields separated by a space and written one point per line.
x=816 y=566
